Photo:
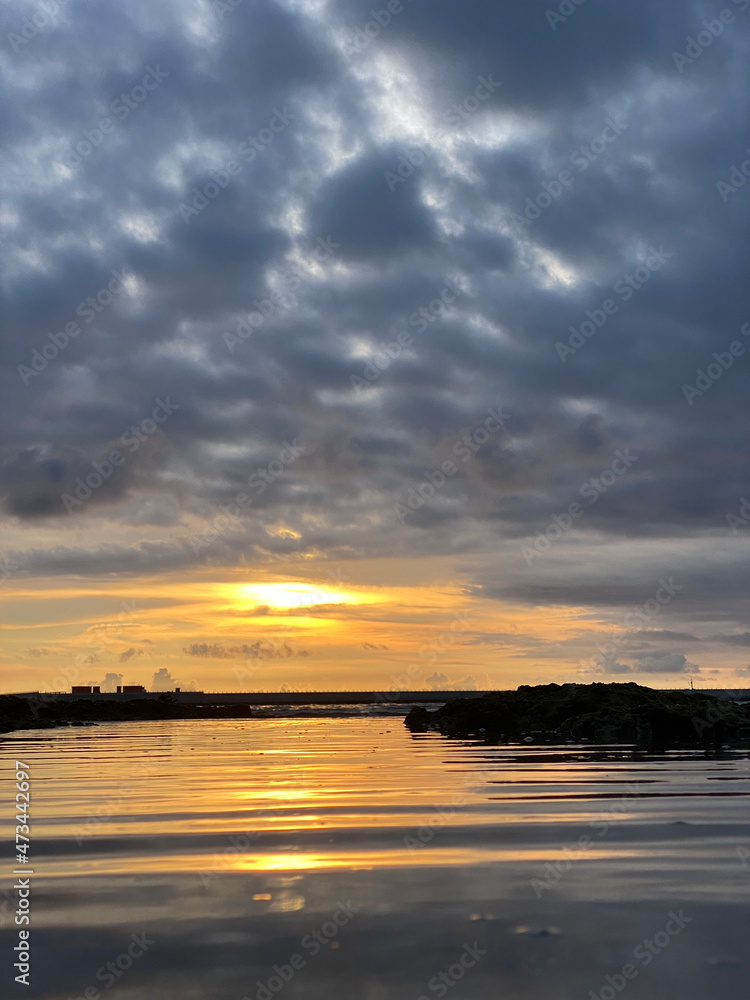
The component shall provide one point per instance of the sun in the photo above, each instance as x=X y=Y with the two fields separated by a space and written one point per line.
x=293 y=595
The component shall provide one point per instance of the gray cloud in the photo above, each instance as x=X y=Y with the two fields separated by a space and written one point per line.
x=655 y=662
x=663 y=663
x=164 y=681
x=188 y=283
x=665 y=635
x=742 y=639
x=440 y=682
x=129 y=653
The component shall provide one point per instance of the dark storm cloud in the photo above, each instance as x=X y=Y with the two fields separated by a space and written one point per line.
x=313 y=121
x=372 y=222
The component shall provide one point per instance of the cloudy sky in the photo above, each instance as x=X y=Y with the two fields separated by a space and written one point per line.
x=354 y=350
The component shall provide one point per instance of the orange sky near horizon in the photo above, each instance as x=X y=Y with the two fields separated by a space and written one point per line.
x=352 y=627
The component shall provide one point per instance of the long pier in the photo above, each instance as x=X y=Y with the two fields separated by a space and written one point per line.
x=314 y=697
x=269 y=697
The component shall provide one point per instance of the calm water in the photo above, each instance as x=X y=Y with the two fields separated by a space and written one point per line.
x=365 y=863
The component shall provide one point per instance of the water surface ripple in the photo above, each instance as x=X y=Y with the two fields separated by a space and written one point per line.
x=377 y=856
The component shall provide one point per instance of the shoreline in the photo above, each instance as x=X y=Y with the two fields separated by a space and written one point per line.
x=597 y=713
x=26 y=713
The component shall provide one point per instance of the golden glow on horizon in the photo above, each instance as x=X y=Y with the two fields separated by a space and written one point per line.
x=385 y=624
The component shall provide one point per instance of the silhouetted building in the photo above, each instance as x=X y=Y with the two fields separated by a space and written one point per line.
x=133 y=689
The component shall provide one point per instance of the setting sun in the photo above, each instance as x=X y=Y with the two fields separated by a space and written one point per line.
x=294 y=595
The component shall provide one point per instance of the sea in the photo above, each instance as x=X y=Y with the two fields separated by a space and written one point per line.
x=332 y=854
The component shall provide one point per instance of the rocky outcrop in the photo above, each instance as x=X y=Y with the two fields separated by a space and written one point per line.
x=603 y=713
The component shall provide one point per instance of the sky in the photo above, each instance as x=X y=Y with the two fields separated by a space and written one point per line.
x=362 y=347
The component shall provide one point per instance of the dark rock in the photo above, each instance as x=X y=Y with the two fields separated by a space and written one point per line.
x=418 y=719
x=602 y=713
